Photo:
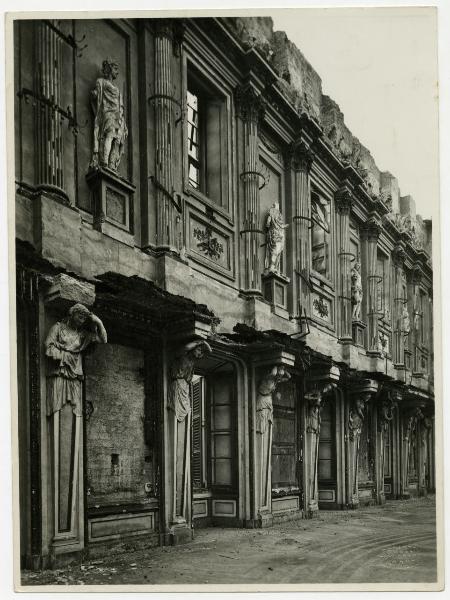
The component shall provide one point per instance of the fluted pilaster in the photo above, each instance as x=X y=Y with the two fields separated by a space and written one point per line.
x=344 y=200
x=48 y=81
x=251 y=107
x=371 y=232
x=401 y=329
x=167 y=224
x=301 y=158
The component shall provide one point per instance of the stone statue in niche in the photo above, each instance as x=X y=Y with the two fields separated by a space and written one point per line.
x=275 y=236
x=181 y=374
x=179 y=404
x=264 y=420
x=65 y=343
x=313 y=400
x=406 y=323
x=110 y=129
x=357 y=291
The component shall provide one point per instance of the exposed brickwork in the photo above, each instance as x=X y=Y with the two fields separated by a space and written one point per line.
x=117 y=470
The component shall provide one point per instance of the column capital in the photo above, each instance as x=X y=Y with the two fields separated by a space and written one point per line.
x=372 y=228
x=416 y=274
x=344 y=199
x=300 y=156
x=172 y=29
x=250 y=103
x=398 y=255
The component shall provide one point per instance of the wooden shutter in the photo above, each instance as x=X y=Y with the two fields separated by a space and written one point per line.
x=197 y=471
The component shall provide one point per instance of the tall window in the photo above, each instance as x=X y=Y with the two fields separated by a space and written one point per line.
x=320 y=235
x=284 y=441
x=207 y=140
x=194 y=137
x=326 y=444
x=222 y=455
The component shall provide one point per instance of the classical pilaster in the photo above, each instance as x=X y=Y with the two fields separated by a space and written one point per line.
x=371 y=232
x=251 y=107
x=344 y=200
x=357 y=414
x=318 y=386
x=301 y=158
x=167 y=230
x=401 y=315
x=48 y=81
x=417 y=316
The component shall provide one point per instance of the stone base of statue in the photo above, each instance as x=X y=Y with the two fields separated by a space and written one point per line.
x=358 y=328
x=274 y=290
x=112 y=200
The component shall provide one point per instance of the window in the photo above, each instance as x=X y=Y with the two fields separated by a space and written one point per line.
x=207 y=140
x=222 y=455
x=326 y=444
x=320 y=235
x=194 y=160
x=284 y=441
x=387 y=440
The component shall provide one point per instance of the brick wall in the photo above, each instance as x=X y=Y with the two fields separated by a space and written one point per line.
x=117 y=468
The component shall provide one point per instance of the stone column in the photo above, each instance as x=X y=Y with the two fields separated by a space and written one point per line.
x=251 y=107
x=48 y=81
x=417 y=316
x=344 y=200
x=372 y=232
x=301 y=157
x=167 y=230
x=400 y=306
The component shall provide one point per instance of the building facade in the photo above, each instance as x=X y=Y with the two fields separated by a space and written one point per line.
x=262 y=342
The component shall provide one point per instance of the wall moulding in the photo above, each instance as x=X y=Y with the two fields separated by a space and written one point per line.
x=210 y=244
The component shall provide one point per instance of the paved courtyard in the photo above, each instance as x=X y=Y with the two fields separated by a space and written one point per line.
x=380 y=544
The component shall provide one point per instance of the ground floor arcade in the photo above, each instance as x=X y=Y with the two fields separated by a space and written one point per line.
x=273 y=432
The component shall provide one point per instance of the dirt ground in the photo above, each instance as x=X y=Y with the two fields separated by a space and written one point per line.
x=381 y=544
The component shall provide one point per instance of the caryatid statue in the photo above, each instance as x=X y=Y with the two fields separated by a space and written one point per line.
x=264 y=421
x=275 y=236
x=65 y=344
x=357 y=291
x=110 y=129
x=179 y=403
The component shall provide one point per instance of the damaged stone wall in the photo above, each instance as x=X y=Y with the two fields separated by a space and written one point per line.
x=302 y=86
x=117 y=457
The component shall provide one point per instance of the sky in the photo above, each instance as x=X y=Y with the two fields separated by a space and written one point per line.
x=380 y=66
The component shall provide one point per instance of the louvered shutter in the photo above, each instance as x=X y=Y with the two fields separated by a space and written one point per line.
x=197 y=434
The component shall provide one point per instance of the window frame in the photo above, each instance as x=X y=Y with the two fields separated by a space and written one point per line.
x=328 y=277
x=194 y=77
